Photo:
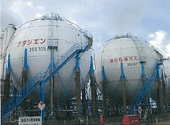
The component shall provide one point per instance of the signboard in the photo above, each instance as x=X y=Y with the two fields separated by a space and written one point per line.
x=41 y=105
x=37 y=120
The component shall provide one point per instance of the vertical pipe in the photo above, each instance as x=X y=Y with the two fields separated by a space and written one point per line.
x=52 y=82
x=77 y=73
x=51 y=45
x=123 y=85
x=104 y=93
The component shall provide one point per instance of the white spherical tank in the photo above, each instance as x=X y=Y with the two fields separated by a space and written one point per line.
x=34 y=36
x=131 y=51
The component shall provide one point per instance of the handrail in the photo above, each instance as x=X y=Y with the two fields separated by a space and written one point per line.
x=139 y=97
x=40 y=77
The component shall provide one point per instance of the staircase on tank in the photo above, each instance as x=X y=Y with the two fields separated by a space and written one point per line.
x=140 y=95
x=37 y=79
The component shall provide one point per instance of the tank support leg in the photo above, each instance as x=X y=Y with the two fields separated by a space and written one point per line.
x=93 y=88
x=165 y=92
x=78 y=92
x=160 y=91
x=123 y=82
x=24 y=81
x=7 y=82
x=6 y=87
x=104 y=92
x=24 y=77
x=43 y=98
x=145 y=99
x=84 y=100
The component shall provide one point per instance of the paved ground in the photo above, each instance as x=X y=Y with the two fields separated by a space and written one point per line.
x=160 y=123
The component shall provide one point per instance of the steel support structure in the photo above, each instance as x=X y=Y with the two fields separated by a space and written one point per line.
x=123 y=85
x=165 y=91
x=160 y=96
x=93 y=89
x=38 y=78
x=104 y=85
x=78 y=91
x=42 y=97
x=24 y=78
x=7 y=82
x=84 y=100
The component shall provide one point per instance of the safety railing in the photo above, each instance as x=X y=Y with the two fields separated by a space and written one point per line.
x=40 y=77
x=140 y=95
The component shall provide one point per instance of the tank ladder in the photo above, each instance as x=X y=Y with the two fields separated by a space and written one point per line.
x=41 y=77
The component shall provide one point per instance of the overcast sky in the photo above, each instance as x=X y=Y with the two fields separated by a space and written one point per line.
x=148 y=19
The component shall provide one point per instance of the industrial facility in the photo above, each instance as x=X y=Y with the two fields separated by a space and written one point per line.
x=49 y=70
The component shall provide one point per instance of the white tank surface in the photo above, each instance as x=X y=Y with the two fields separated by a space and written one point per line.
x=34 y=36
x=129 y=50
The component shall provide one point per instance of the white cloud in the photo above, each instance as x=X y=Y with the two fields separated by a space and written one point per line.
x=29 y=3
x=40 y=7
x=157 y=39
x=26 y=10
x=168 y=50
x=39 y=15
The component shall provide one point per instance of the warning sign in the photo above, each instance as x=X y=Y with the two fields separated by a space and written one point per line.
x=41 y=105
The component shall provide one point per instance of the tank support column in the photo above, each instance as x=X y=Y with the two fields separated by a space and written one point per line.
x=123 y=82
x=165 y=92
x=6 y=87
x=78 y=92
x=93 y=88
x=43 y=97
x=160 y=90
x=104 y=92
x=146 y=97
x=84 y=100
x=24 y=77
x=7 y=82
x=24 y=81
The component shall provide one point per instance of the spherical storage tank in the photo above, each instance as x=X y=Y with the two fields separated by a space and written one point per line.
x=34 y=36
x=129 y=50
